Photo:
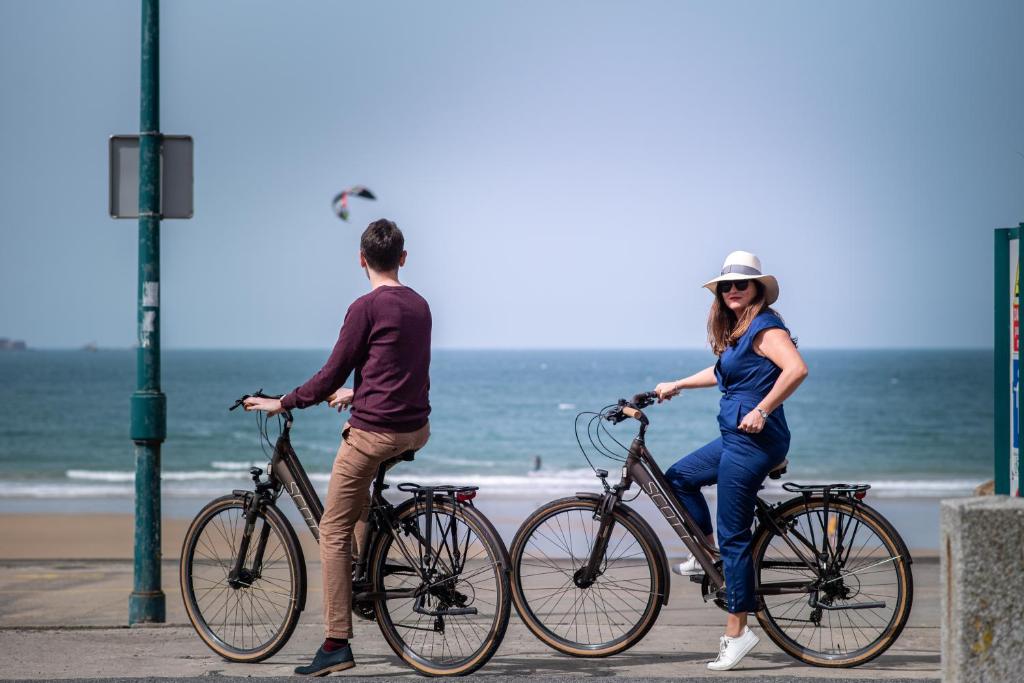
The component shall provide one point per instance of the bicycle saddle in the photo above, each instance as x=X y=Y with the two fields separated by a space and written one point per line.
x=407 y=456
x=778 y=470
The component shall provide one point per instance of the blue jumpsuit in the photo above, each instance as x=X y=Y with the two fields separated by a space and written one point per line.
x=737 y=461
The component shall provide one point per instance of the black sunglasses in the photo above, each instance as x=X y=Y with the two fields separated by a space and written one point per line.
x=725 y=286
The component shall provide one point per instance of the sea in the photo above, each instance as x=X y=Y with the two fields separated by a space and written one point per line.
x=912 y=423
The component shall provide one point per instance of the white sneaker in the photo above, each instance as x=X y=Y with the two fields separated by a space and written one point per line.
x=688 y=567
x=732 y=650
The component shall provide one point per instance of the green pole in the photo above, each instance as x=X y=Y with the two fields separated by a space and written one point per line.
x=149 y=406
x=1001 y=346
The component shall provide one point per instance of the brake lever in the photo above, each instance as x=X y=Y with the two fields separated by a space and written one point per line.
x=641 y=401
x=259 y=394
x=615 y=416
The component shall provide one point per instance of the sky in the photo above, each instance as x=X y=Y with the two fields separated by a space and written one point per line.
x=567 y=174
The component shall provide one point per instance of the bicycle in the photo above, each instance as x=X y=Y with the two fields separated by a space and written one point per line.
x=589 y=575
x=431 y=571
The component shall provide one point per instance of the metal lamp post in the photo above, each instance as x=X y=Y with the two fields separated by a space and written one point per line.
x=149 y=405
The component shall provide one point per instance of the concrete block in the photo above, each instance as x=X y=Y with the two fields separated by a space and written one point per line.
x=982 y=577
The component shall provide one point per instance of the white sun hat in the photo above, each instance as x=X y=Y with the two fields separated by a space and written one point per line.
x=742 y=265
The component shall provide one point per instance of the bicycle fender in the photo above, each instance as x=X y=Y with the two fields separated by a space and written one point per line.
x=641 y=524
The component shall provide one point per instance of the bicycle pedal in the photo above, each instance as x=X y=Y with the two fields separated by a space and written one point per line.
x=697 y=578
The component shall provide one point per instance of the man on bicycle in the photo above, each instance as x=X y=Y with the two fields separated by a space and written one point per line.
x=385 y=341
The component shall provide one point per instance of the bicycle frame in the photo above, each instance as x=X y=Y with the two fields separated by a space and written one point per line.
x=640 y=467
x=287 y=473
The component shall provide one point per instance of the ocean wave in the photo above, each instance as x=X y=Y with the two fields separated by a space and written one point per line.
x=63 y=490
x=469 y=462
x=242 y=465
x=93 y=475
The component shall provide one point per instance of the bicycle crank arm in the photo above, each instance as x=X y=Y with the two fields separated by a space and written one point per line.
x=816 y=604
x=859 y=605
x=385 y=595
x=446 y=612
x=443 y=612
x=784 y=588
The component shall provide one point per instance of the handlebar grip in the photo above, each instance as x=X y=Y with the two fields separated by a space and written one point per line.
x=631 y=412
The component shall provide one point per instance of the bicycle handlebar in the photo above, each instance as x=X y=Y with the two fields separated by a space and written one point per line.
x=257 y=394
x=632 y=408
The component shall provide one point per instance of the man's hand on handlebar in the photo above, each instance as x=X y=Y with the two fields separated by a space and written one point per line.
x=667 y=390
x=340 y=399
x=272 y=406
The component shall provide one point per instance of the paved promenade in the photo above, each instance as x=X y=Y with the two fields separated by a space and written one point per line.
x=66 y=619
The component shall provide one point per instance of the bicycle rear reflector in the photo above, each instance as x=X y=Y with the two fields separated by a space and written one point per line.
x=465 y=496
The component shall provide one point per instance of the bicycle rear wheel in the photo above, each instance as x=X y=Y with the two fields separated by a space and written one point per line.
x=250 y=619
x=468 y=573
x=857 y=601
x=606 y=617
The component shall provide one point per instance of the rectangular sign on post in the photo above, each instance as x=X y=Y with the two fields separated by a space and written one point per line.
x=175 y=176
x=1014 y=291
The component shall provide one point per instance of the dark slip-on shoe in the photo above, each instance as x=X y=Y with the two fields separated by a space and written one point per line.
x=328 y=662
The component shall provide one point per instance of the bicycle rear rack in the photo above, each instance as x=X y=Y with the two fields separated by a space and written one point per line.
x=462 y=494
x=857 y=491
x=426 y=495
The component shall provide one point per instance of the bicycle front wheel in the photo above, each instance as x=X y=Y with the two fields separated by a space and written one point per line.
x=461 y=613
x=849 y=608
x=603 y=618
x=249 y=618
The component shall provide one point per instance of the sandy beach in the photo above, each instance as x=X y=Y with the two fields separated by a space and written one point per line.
x=104 y=529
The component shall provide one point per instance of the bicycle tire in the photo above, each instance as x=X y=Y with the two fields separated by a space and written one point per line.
x=493 y=564
x=279 y=602
x=529 y=600
x=891 y=553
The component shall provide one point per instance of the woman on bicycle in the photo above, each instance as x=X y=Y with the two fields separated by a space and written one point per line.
x=758 y=368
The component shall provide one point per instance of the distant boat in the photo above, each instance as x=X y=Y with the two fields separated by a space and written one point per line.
x=90 y=346
x=12 y=344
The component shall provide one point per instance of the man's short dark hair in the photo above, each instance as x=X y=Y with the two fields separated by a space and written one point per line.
x=382 y=244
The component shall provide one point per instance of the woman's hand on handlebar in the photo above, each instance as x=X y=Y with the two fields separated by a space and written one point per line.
x=667 y=390
x=272 y=406
x=340 y=399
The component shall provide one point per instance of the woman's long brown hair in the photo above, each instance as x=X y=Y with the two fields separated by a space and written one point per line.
x=724 y=329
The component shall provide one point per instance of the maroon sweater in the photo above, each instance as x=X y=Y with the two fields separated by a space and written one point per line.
x=385 y=339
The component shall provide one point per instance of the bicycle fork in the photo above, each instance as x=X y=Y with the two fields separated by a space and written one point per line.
x=585 y=576
x=241 y=576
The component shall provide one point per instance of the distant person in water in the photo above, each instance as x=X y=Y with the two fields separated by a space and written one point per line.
x=385 y=341
x=758 y=368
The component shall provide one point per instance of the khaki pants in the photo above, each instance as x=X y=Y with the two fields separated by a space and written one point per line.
x=345 y=513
